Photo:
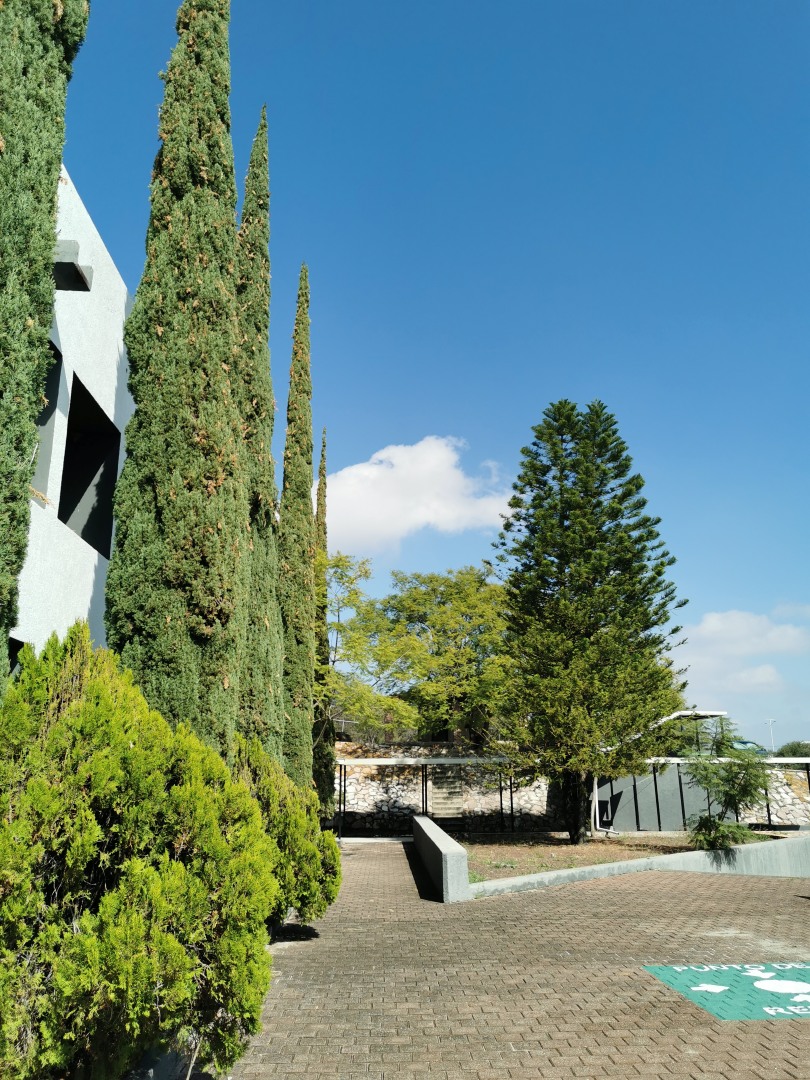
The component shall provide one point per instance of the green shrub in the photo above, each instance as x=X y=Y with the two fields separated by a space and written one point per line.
x=308 y=871
x=734 y=780
x=136 y=878
x=712 y=834
x=797 y=748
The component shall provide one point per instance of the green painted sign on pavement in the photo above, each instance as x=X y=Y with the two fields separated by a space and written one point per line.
x=743 y=991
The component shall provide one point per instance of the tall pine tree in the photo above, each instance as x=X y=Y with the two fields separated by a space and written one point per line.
x=323 y=731
x=297 y=554
x=588 y=606
x=177 y=576
x=261 y=686
x=39 y=40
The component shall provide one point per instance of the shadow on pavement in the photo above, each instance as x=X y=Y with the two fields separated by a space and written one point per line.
x=424 y=886
x=294 y=932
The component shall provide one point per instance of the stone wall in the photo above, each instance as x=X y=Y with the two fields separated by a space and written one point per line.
x=788 y=797
x=382 y=800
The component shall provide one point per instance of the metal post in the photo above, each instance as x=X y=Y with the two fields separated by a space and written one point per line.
x=424 y=790
x=511 y=805
x=768 y=807
x=657 y=804
x=635 y=804
x=500 y=791
x=680 y=789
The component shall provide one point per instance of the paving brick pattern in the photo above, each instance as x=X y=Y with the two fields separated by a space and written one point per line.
x=541 y=984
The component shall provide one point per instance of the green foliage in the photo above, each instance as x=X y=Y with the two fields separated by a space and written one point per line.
x=709 y=833
x=797 y=748
x=308 y=868
x=588 y=604
x=323 y=731
x=365 y=667
x=136 y=878
x=261 y=679
x=178 y=577
x=449 y=630
x=427 y=658
x=39 y=42
x=734 y=780
x=296 y=549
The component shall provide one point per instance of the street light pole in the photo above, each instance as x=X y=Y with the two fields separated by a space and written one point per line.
x=770 y=724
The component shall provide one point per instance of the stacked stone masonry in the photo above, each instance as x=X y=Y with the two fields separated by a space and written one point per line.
x=382 y=800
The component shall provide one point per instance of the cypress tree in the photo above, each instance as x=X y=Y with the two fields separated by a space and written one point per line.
x=262 y=707
x=296 y=551
x=323 y=731
x=39 y=42
x=177 y=575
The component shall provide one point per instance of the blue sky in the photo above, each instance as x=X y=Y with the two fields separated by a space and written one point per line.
x=503 y=205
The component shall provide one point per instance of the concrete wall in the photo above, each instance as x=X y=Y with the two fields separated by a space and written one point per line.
x=64 y=576
x=444 y=859
x=661 y=801
x=772 y=858
x=382 y=799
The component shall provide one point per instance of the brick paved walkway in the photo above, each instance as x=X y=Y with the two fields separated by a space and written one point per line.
x=541 y=984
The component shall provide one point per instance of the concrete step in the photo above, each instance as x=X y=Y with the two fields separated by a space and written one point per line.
x=446 y=795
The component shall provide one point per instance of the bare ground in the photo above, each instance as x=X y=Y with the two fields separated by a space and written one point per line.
x=533 y=853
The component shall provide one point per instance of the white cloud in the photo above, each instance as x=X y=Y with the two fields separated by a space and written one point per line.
x=792 y=611
x=743 y=633
x=401 y=490
x=728 y=653
x=758 y=680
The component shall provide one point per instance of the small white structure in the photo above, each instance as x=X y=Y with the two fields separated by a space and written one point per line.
x=81 y=449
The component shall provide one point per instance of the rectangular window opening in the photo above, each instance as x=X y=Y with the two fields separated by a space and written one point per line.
x=89 y=471
x=14 y=650
x=68 y=274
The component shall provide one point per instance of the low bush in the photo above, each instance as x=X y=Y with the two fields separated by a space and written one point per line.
x=734 y=780
x=712 y=834
x=308 y=869
x=136 y=877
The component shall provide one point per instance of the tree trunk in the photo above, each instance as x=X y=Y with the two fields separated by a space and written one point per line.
x=576 y=805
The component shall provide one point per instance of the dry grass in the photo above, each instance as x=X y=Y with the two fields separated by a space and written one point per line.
x=533 y=853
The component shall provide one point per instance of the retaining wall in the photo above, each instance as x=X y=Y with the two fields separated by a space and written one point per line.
x=472 y=798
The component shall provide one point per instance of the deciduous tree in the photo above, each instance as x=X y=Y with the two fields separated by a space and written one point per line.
x=366 y=667
x=445 y=633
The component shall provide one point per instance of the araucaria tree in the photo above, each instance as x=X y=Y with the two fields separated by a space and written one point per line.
x=588 y=610
x=323 y=731
x=296 y=552
x=178 y=575
x=40 y=39
x=261 y=686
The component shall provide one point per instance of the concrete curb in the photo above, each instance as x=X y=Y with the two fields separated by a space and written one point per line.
x=789 y=857
x=444 y=859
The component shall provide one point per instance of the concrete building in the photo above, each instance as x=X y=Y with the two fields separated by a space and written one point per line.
x=81 y=449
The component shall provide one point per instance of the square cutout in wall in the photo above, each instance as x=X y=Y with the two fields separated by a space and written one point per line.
x=89 y=471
